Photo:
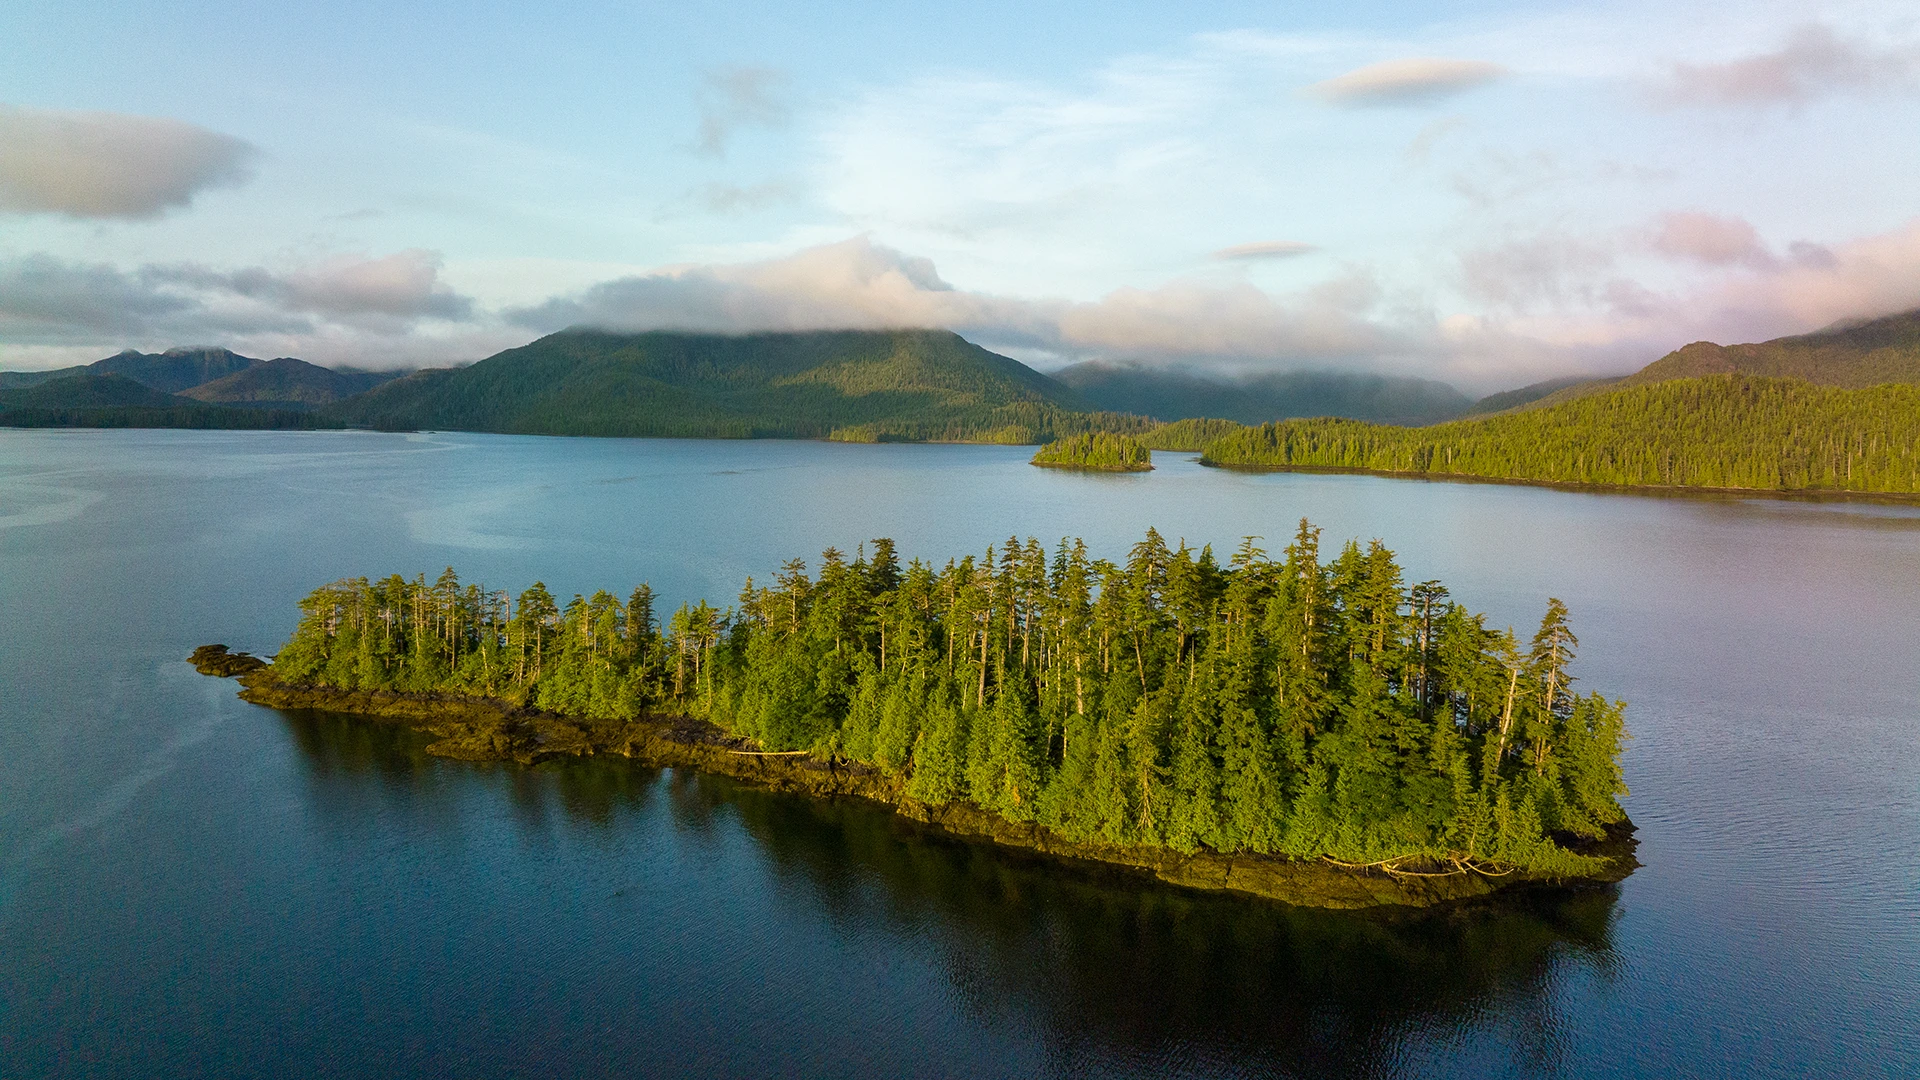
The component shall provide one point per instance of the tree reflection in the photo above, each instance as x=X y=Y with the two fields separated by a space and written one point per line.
x=1114 y=971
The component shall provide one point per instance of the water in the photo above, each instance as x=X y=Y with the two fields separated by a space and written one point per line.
x=190 y=885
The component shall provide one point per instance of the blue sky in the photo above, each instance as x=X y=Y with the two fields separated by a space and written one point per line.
x=1485 y=193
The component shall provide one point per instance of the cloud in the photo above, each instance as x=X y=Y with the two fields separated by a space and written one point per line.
x=1711 y=239
x=1814 y=61
x=110 y=165
x=1406 y=82
x=1534 y=273
x=859 y=284
x=733 y=98
x=1265 y=249
x=46 y=301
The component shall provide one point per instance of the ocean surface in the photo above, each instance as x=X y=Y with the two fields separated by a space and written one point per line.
x=194 y=886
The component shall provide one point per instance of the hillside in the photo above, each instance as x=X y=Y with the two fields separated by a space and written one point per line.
x=859 y=385
x=1865 y=354
x=169 y=372
x=1721 y=431
x=116 y=401
x=1181 y=394
x=286 y=383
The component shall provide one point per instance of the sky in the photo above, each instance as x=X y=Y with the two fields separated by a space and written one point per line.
x=1484 y=193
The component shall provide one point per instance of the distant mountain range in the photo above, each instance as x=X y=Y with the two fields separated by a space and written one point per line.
x=178 y=388
x=905 y=385
x=211 y=376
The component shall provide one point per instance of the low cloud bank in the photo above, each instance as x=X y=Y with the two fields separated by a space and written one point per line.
x=384 y=311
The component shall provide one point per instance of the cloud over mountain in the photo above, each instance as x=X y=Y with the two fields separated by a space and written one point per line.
x=110 y=165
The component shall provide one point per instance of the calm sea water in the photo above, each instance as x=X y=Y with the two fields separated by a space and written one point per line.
x=190 y=885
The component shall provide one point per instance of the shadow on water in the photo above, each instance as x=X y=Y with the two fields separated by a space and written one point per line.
x=1110 y=969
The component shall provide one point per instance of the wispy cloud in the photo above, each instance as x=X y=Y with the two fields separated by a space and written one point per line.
x=1712 y=239
x=1814 y=61
x=110 y=165
x=1406 y=82
x=1265 y=249
x=733 y=98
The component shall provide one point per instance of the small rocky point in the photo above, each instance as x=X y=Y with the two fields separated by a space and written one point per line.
x=216 y=660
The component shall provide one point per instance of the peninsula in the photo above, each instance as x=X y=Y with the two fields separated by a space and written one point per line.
x=1304 y=728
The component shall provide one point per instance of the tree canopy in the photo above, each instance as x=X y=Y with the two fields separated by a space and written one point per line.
x=1303 y=706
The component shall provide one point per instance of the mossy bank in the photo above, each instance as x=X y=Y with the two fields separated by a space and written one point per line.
x=479 y=729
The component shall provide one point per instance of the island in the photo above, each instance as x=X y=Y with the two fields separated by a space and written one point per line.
x=1306 y=728
x=1096 y=452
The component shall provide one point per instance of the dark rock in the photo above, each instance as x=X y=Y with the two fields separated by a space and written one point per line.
x=216 y=660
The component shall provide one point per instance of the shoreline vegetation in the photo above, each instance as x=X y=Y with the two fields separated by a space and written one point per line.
x=1832 y=413
x=1096 y=452
x=1313 y=731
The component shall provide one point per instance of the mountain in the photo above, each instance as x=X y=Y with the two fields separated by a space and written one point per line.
x=174 y=370
x=1856 y=354
x=1527 y=395
x=116 y=401
x=169 y=372
x=849 y=384
x=286 y=383
x=1733 y=431
x=1172 y=394
x=90 y=391
x=1885 y=350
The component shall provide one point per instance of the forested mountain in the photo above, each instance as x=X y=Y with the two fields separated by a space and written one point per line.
x=1861 y=354
x=1533 y=392
x=852 y=384
x=113 y=401
x=1722 y=431
x=1854 y=355
x=1173 y=394
x=286 y=383
x=169 y=372
x=89 y=391
x=1308 y=707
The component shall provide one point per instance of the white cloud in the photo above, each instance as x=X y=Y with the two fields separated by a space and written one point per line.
x=1813 y=61
x=109 y=165
x=1406 y=82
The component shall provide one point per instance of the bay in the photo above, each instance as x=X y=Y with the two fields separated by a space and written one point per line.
x=190 y=885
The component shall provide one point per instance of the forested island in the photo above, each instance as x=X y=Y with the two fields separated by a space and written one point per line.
x=1312 y=729
x=1097 y=452
x=1734 y=432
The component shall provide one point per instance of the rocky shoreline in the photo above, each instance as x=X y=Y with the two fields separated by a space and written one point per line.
x=479 y=729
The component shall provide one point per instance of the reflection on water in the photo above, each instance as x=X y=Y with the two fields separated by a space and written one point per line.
x=1110 y=966
x=190 y=885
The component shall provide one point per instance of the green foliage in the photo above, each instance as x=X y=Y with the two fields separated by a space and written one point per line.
x=860 y=386
x=1187 y=434
x=1306 y=707
x=1098 y=451
x=1723 y=431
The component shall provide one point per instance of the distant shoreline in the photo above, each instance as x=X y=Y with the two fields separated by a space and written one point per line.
x=1669 y=490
